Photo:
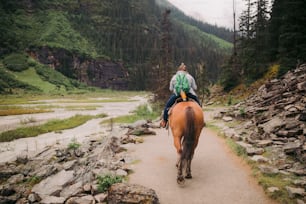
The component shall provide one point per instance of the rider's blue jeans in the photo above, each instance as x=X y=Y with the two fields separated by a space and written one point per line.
x=172 y=100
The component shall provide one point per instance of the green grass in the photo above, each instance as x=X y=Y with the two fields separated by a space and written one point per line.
x=16 y=62
x=31 y=77
x=278 y=181
x=96 y=96
x=15 y=110
x=142 y=112
x=80 y=107
x=52 y=125
x=240 y=151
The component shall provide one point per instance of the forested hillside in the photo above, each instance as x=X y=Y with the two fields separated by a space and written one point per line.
x=110 y=44
x=267 y=36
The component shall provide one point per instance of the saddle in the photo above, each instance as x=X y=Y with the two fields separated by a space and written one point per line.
x=179 y=100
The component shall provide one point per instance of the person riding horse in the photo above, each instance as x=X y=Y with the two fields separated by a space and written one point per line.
x=191 y=94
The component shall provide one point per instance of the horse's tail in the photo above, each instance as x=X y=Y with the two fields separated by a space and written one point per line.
x=189 y=135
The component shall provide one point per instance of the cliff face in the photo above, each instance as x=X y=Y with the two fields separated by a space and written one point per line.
x=94 y=72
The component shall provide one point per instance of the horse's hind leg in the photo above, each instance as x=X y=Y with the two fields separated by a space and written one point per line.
x=188 y=169
x=178 y=146
x=180 y=178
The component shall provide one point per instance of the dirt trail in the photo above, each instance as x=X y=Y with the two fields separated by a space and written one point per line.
x=218 y=175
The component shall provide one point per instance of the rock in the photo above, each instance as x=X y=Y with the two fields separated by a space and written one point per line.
x=131 y=193
x=33 y=197
x=301 y=86
x=259 y=158
x=227 y=119
x=291 y=125
x=299 y=201
x=6 y=200
x=138 y=124
x=141 y=131
x=244 y=145
x=89 y=199
x=22 y=159
x=254 y=151
x=273 y=125
x=229 y=132
x=52 y=186
x=302 y=117
x=52 y=200
x=292 y=147
x=44 y=171
x=293 y=192
x=87 y=187
x=7 y=190
x=263 y=143
x=16 y=179
x=101 y=197
x=268 y=170
x=121 y=172
x=69 y=165
x=7 y=171
x=300 y=182
x=273 y=189
x=71 y=190
x=125 y=139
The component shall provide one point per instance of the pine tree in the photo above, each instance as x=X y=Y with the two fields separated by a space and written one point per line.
x=253 y=38
x=292 y=38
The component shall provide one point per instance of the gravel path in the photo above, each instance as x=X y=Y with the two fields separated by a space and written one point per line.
x=218 y=175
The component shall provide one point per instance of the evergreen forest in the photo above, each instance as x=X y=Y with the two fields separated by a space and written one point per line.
x=267 y=35
x=148 y=40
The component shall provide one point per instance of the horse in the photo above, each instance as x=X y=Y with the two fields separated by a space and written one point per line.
x=186 y=121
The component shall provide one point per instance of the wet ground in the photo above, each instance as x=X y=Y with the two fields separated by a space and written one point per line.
x=10 y=150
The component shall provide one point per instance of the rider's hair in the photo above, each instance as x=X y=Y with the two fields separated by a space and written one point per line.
x=182 y=67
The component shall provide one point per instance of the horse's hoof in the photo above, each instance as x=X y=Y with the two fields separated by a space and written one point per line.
x=188 y=176
x=180 y=180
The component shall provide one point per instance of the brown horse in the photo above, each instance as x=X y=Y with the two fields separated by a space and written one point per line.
x=186 y=122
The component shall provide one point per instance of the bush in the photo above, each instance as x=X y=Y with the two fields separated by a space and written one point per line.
x=16 y=62
x=73 y=145
x=104 y=182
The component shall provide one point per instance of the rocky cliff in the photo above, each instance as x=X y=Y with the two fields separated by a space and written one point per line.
x=94 y=72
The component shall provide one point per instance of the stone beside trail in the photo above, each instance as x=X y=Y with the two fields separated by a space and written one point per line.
x=69 y=175
x=273 y=121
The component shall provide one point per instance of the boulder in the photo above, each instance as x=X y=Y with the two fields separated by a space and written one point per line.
x=53 y=185
x=131 y=193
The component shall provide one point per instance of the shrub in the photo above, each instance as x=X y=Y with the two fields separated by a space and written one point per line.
x=104 y=182
x=74 y=144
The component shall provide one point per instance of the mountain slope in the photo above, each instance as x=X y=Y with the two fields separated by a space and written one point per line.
x=82 y=39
